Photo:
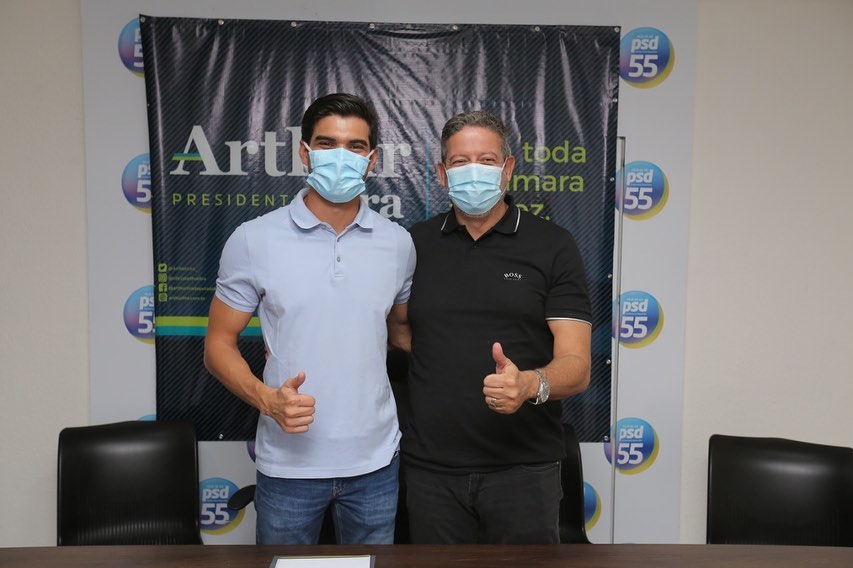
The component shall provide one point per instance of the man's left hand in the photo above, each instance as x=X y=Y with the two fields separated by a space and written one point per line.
x=507 y=389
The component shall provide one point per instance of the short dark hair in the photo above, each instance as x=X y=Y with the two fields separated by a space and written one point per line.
x=479 y=118
x=340 y=104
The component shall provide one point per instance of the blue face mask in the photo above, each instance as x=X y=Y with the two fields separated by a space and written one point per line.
x=475 y=188
x=337 y=174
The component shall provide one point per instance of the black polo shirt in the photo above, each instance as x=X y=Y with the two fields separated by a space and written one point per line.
x=466 y=295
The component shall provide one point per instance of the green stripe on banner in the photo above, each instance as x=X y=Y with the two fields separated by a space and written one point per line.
x=196 y=326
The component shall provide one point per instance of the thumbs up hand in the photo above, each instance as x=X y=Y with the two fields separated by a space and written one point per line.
x=292 y=410
x=501 y=360
x=293 y=383
x=504 y=391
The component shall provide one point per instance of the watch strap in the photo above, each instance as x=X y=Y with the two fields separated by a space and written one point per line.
x=542 y=391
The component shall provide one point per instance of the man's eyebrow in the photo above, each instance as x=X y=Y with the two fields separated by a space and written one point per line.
x=321 y=138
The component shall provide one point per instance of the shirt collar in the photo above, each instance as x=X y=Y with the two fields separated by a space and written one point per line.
x=305 y=219
x=507 y=225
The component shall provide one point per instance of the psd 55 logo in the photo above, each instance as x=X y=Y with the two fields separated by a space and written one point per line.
x=139 y=314
x=646 y=57
x=130 y=48
x=216 y=517
x=646 y=190
x=636 y=446
x=637 y=318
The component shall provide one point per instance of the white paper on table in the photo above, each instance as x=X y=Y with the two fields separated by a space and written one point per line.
x=365 y=561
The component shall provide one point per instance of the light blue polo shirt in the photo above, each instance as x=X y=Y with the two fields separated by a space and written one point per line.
x=322 y=300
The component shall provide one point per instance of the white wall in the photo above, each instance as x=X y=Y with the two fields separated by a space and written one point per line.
x=43 y=302
x=769 y=262
x=766 y=329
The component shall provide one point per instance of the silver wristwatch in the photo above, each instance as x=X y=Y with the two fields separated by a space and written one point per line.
x=544 y=388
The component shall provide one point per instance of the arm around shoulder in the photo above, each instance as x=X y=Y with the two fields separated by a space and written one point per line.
x=399 y=330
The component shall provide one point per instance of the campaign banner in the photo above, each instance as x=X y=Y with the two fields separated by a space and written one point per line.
x=225 y=103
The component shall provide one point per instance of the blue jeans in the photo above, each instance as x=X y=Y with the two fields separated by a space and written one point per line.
x=518 y=505
x=290 y=511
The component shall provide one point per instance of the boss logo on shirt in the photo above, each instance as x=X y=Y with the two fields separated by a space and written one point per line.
x=512 y=276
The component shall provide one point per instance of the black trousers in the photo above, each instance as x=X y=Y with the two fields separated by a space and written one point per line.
x=519 y=505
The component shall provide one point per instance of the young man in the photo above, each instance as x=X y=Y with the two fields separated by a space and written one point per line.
x=500 y=329
x=324 y=273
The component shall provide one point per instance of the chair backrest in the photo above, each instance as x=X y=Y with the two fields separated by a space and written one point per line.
x=572 y=523
x=128 y=483
x=777 y=491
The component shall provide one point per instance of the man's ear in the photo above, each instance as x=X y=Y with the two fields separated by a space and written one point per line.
x=303 y=155
x=506 y=176
x=373 y=159
x=441 y=172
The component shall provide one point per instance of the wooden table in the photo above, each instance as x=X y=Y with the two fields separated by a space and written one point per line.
x=430 y=556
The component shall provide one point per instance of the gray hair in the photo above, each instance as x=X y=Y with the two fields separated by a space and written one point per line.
x=479 y=118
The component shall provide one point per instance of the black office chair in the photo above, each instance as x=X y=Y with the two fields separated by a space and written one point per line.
x=777 y=491
x=572 y=523
x=128 y=483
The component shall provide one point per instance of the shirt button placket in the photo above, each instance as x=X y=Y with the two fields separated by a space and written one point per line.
x=338 y=268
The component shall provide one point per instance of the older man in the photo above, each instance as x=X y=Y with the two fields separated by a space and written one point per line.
x=500 y=324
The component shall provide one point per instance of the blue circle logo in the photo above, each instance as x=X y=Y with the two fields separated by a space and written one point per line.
x=646 y=57
x=136 y=183
x=591 y=506
x=216 y=517
x=636 y=446
x=646 y=190
x=130 y=47
x=641 y=319
x=139 y=314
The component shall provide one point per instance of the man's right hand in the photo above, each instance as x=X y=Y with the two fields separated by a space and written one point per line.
x=291 y=410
